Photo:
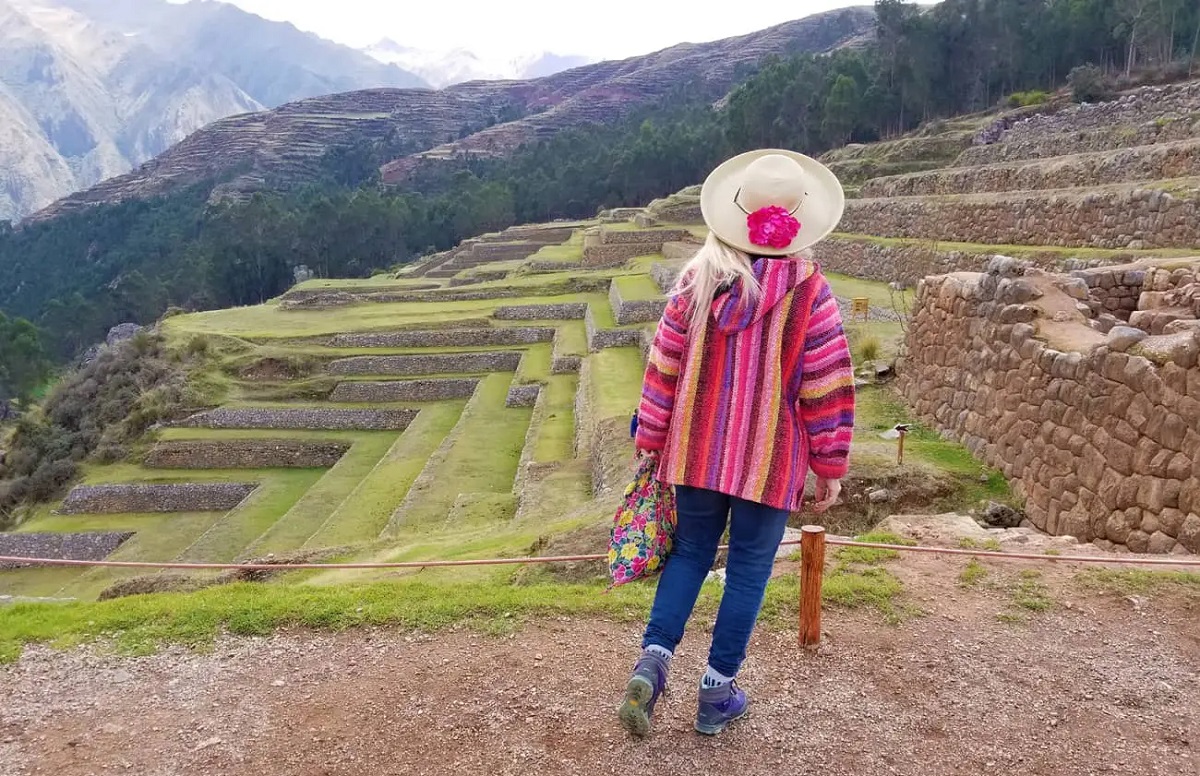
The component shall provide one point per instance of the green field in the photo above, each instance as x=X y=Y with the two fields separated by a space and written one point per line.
x=446 y=487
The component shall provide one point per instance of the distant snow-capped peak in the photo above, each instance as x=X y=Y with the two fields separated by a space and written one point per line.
x=443 y=68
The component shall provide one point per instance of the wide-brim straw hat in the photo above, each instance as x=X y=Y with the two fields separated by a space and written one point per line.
x=802 y=186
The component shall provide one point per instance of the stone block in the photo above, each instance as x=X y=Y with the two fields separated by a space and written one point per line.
x=1122 y=338
x=1137 y=541
x=1189 y=533
x=1160 y=544
x=1170 y=521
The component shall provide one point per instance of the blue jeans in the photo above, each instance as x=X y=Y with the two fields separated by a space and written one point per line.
x=755 y=531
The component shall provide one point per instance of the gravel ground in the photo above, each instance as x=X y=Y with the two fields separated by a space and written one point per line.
x=1100 y=684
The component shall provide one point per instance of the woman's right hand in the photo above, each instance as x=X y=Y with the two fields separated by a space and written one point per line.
x=826 y=495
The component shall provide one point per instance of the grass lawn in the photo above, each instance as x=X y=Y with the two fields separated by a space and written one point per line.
x=268 y=321
x=849 y=287
x=159 y=537
x=556 y=436
x=571 y=338
x=231 y=535
x=616 y=376
x=309 y=514
x=364 y=513
x=535 y=364
x=572 y=251
x=637 y=288
x=481 y=457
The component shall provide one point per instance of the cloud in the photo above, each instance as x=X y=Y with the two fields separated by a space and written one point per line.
x=611 y=29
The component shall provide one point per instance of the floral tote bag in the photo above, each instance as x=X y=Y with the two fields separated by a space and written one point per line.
x=644 y=527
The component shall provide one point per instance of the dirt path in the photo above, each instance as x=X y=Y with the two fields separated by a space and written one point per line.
x=1099 y=684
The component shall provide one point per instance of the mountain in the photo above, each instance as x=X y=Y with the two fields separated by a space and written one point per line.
x=282 y=147
x=445 y=68
x=90 y=88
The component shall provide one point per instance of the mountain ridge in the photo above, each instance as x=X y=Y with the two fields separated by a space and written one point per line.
x=90 y=88
x=283 y=146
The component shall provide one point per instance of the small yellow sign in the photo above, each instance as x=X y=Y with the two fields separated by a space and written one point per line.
x=860 y=305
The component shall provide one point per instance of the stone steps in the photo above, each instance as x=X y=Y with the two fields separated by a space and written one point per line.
x=1125 y=216
x=1141 y=163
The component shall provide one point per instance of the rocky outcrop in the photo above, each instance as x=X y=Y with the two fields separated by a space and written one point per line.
x=1100 y=443
x=174 y=497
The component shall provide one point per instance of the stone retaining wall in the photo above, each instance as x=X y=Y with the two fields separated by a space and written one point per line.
x=312 y=419
x=906 y=264
x=615 y=254
x=444 y=338
x=678 y=249
x=1152 y=114
x=600 y=339
x=643 y=237
x=337 y=298
x=563 y=363
x=174 y=497
x=1101 y=443
x=1113 y=290
x=91 y=545
x=1120 y=217
x=427 y=364
x=405 y=390
x=1143 y=163
x=567 y=311
x=523 y=395
x=638 y=311
x=245 y=454
x=665 y=275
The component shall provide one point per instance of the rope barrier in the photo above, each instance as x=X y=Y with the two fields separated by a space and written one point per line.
x=420 y=564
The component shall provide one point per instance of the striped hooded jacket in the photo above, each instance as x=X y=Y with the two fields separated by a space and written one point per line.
x=755 y=394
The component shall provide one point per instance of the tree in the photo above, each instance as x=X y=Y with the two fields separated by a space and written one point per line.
x=841 y=110
x=23 y=362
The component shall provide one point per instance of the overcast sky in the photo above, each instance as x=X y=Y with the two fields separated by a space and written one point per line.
x=601 y=29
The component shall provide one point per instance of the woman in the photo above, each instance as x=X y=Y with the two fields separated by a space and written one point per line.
x=749 y=386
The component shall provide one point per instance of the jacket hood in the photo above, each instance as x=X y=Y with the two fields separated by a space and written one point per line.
x=734 y=311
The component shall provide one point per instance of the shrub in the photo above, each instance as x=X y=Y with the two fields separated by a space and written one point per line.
x=1089 y=84
x=1025 y=99
x=868 y=348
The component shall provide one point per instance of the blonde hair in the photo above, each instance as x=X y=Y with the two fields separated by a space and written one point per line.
x=716 y=264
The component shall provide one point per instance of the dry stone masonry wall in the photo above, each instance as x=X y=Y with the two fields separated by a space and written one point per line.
x=174 y=497
x=634 y=311
x=1142 y=163
x=91 y=545
x=601 y=339
x=1123 y=217
x=427 y=364
x=314 y=419
x=523 y=395
x=907 y=263
x=1101 y=443
x=405 y=390
x=245 y=454
x=567 y=311
x=1154 y=114
x=439 y=338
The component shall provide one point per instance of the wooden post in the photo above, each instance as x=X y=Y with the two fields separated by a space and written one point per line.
x=900 y=451
x=812 y=569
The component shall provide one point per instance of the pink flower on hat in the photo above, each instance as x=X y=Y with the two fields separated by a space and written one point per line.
x=772 y=226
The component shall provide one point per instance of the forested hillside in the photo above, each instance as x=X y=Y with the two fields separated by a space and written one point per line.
x=78 y=274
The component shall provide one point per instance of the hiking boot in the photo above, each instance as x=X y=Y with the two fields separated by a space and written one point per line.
x=648 y=682
x=719 y=706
